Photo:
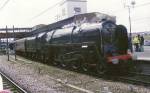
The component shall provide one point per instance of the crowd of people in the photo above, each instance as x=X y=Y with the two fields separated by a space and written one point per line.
x=138 y=42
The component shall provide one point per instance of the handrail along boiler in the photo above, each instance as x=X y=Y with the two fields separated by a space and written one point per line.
x=102 y=45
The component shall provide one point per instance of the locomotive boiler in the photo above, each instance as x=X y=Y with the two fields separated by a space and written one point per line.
x=102 y=46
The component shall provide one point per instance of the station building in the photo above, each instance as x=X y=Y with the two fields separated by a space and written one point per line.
x=69 y=8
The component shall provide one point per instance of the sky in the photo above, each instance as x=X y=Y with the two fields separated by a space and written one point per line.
x=26 y=13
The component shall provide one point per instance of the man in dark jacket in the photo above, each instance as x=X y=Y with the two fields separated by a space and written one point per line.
x=141 y=43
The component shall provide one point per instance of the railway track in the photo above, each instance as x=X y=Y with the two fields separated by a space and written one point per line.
x=136 y=78
x=60 y=81
x=133 y=78
x=10 y=85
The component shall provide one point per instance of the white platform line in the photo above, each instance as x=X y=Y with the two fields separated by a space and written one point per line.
x=72 y=86
x=143 y=58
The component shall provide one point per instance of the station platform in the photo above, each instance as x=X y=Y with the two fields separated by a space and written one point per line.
x=143 y=56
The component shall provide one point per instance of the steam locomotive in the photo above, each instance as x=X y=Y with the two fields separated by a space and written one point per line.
x=101 y=45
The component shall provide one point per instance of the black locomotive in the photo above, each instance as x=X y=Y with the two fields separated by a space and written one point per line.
x=102 y=45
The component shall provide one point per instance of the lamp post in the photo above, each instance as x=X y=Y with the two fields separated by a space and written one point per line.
x=130 y=26
x=7 y=43
x=14 y=42
x=130 y=21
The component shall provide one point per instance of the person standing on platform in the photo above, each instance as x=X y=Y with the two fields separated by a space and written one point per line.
x=141 y=43
x=136 y=43
x=139 y=37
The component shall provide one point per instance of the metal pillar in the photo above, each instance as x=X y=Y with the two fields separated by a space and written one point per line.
x=14 y=43
x=7 y=43
x=130 y=29
x=0 y=44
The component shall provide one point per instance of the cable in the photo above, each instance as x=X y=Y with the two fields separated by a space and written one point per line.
x=136 y=6
x=143 y=4
x=49 y=8
x=5 y=3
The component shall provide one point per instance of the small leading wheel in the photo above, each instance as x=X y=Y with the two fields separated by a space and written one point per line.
x=84 y=65
x=75 y=64
x=101 y=68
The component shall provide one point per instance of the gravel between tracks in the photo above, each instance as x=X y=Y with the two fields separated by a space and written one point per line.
x=37 y=78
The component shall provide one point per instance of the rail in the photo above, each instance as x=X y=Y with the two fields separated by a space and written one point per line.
x=136 y=78
x=11 y=85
